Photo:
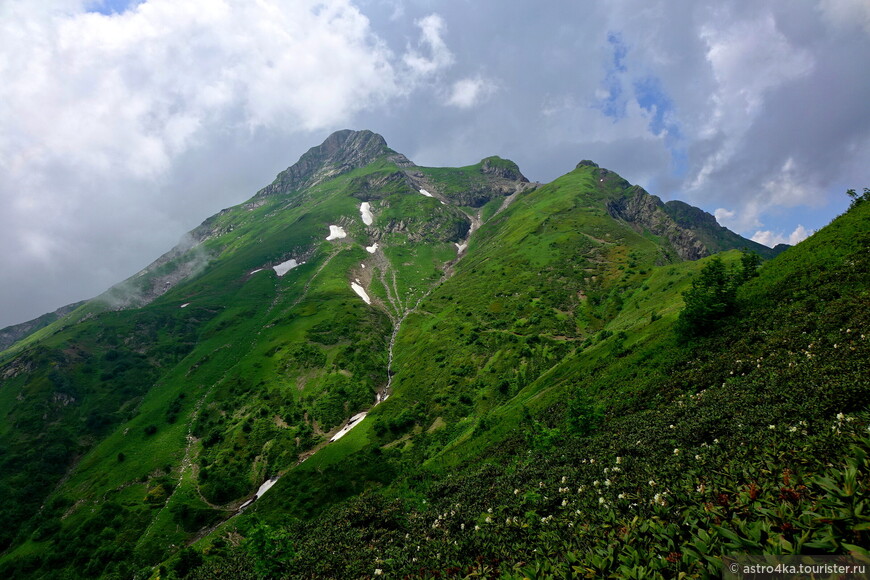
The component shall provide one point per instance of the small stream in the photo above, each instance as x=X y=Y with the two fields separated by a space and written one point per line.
x=380 y=396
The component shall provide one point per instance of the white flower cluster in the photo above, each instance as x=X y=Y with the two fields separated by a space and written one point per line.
x=840 y=422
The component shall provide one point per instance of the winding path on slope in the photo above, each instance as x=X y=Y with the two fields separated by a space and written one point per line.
x=397 y=316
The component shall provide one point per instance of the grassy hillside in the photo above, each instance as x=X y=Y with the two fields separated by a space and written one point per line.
x=499 y=336
x=154 y=423
x=637 y=457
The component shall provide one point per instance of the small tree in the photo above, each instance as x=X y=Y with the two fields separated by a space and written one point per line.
x=712 y=297
x=856 y=199
x=749 y=263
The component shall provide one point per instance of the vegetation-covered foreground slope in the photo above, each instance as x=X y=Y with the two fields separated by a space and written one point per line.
x=523 y=340
x=633 y=456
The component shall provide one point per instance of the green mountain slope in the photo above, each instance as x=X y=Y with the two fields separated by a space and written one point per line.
x=636 y=456
x=449 y=316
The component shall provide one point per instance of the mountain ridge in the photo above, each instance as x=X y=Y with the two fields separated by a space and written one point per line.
x=692 y=232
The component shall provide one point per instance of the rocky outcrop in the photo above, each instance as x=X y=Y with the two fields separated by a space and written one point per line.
x=644 y=211
x=441 y=227
x=503 y=168
x=491 y=178
x=380 y=185
x=343 y=151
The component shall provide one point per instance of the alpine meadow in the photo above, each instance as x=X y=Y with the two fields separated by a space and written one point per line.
x=374 y=368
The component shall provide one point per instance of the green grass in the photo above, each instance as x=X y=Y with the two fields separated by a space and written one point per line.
x=751 y=440
x=549 y=342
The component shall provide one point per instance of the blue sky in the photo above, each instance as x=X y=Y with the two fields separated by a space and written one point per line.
x=123 y=129
x=619 y=87
x=110 y=7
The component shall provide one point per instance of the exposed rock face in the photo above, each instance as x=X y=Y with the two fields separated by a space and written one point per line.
x=380 y=185
x=494 y=178
x=715 y=237
x=478 y=195
x=443 y=227
x=343 y=151
x=645 y=211
x=689 y=216
x=502 y=168
x=692 y=232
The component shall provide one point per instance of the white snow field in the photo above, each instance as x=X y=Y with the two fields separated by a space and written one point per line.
x=361 y=292
x=285 y=267
x=365 y=209
x=426 y=193
x=336 y=232
x=372 y=249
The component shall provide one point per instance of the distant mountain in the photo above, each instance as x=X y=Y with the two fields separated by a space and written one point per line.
x=715 y=238
x=12 y=334
x=377 y=355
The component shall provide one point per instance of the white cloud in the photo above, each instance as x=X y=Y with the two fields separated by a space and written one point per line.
x=787 y=189
x=468 y=92
x=771 y=239
x=131 y=91
x=98 y=113
x=124 y=131
x=440 y=56
x=799 y=234
x=723 y=215
x=748 y=59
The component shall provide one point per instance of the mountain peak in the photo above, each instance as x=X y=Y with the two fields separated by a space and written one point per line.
x=348 y=138
x=341 y=152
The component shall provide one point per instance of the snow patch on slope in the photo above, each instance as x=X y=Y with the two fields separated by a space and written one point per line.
x=426 y=193
x=372 y=249
x=285 y=267
x=351 y=423
x=365 y=209
x=336 y=232
x=266 y=485
x=361 y=292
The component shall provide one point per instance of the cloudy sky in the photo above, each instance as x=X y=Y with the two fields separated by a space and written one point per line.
x=124 y=124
